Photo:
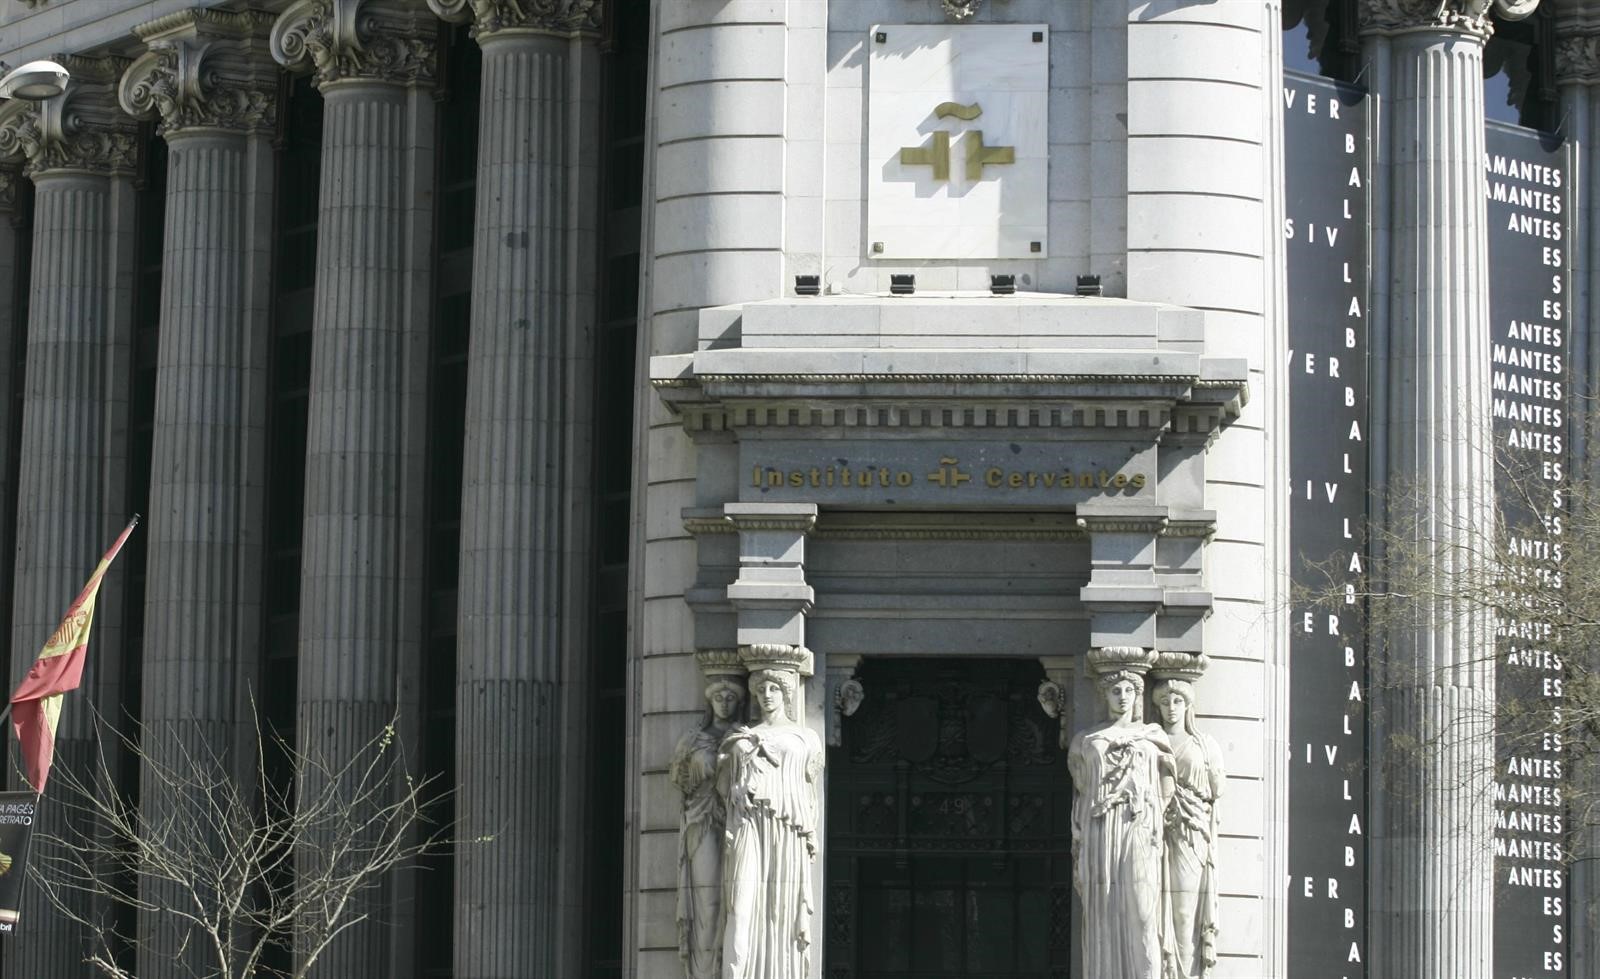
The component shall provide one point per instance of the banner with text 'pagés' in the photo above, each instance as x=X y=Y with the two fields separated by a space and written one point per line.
x=16 y=833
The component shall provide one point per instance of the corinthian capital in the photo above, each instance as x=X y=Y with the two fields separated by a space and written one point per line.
x=1466 y=16
x=1578 y=59
x=82 y=129
x=357 y=40
x=488 y=17
x=206 y=69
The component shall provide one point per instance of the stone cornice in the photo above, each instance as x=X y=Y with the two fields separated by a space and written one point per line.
x=389 y=41
x=1468 y=17
x=489 y=18
x=81 y=130
x=205 y=70
x=1578 y=59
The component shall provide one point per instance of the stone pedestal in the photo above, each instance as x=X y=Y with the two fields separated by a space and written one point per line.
x=79 y=150
x=1432 y=895
x=522 y=676
x=358 y=589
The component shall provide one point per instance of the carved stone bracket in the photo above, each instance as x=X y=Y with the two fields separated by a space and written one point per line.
x=1180 y=666
x=720 y=664
x=960 y=10
x=206 y=69
x=357 y=40
x=845 y=694
x=1578 y=59
x=83 y=129
x=1471 y=17
x=563 y=18
x=782 y=657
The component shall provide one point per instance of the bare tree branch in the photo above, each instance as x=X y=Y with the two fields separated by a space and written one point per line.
x=220 y=850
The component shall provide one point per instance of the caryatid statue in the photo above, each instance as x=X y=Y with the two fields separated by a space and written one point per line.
x=1191 y=821
x=1122 y=776
x=768 y=774
x=704 y=823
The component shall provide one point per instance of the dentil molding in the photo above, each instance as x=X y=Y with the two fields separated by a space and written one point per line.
x=205 y=69
x=83 y=129
x=488 y=17
x=357 y=40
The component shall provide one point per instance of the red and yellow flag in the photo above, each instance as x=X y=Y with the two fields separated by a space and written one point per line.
x=36 y=703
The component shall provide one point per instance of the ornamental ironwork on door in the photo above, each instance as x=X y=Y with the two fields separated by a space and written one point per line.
x=949 y=826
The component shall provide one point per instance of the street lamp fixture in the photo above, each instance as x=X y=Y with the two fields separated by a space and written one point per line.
x=34 y=81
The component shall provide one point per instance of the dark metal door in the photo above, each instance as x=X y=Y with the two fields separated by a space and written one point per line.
x=949 y=826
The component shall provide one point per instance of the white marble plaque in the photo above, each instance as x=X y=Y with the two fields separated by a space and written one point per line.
x=957 y=141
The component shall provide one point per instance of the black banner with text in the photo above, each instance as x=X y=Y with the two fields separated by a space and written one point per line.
x=1527 y=180
x=16 y=833
x=1328 y=261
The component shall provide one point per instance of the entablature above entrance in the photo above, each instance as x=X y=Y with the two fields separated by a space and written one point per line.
x=1030 y=361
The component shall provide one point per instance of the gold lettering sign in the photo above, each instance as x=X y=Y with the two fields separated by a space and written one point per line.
x=949 y=474
x=979 y=155
x=936 y=153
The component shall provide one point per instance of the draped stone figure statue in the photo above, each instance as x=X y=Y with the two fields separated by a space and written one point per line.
x=1191 y=834
x=701 y=832
x=767 y=773
x=1120 y=769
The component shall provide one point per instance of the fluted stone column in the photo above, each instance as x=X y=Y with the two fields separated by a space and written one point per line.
x=1432 y=899
x=210 y=81
x=69 y=502
x=1578 y=74
x=525 y=492
x=360 y=589
x=11 y=327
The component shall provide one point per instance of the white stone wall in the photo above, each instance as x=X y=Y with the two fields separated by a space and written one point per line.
x=1164 y=180
x=715 y=235
x=1087 y=183
x=52 y=27
x=1204 y=193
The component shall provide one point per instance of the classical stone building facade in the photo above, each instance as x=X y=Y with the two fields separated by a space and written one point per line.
x=752 y=445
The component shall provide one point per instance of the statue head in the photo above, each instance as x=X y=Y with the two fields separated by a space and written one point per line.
x=773 y=692
x=1123 y=691
x=849 y=696
x=724 y=696
x=1174 y=699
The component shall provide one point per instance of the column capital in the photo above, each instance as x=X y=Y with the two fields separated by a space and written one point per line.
x=204 y=70
x=566 y=18
x=391 y=41
x=1467 y=17
x=83 y=129
x=1578 y=58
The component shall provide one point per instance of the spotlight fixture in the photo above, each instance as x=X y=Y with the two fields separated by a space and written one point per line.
x=808 y=285
x=1003 y=284
x=1089 y=285
x=34 y=82
x=902 y=284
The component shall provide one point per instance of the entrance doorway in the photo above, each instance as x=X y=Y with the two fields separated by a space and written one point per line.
x=949 y=826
